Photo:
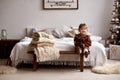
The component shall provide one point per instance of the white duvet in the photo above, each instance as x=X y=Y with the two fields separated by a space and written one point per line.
x=97 y=51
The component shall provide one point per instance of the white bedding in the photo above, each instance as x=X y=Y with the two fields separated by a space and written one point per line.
x=64 y=44
x=97 y=51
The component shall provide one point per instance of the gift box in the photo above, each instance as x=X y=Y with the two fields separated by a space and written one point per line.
x=115 y=52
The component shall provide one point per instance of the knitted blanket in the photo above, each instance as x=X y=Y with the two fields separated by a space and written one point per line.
x=38 y=35
x=46 y=53
x=43 y=46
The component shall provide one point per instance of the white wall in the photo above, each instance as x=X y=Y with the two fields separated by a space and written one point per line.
x=16 y=15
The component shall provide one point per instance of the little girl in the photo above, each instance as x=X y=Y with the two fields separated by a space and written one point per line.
x=82 y=41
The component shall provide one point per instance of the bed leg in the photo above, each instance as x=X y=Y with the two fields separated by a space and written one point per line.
x=81 y=62
x=9 y=62
x=34 y=62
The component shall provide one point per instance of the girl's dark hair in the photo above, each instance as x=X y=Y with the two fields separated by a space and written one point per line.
x=81 y=25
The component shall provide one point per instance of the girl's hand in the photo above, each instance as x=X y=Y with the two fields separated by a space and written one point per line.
x=83 y=45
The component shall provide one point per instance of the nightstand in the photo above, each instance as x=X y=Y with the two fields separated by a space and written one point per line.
x=6 y=47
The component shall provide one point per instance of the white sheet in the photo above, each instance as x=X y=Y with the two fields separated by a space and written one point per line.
x=97 y=51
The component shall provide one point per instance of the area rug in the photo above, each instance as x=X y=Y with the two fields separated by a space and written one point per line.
x=7 y=69
x=113 y=68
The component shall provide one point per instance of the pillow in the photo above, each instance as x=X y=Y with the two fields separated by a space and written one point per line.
x=61 y=32
x=73 y=31
x=46 y=30
x=58 y=33
x=30 y=31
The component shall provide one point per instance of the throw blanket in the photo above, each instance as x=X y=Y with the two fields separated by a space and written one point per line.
x=38 y=35
x=45 y=40
x=42 y=42
x=46 y=53
x=43 y=46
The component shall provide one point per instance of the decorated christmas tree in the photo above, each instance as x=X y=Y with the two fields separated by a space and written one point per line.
x=115 y=21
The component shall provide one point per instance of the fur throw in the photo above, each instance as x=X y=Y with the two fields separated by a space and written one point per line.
x=7 y=69
x=107 y=69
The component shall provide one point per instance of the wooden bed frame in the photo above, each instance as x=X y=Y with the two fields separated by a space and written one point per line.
x=61 y=52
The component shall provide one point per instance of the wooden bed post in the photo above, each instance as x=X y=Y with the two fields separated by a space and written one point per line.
x=81 y=58
x=9 y=62
x=81 y=62
x=34 y=62
x=35 y=66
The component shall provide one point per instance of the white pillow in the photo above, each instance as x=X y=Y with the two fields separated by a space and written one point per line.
x=61 y=32
x=58 y=33
x=72 y=32
x=46 y=30
x=95 y=38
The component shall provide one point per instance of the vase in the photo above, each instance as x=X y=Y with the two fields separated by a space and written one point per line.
x=3 y=34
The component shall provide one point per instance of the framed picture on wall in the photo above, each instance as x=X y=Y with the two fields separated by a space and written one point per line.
x=60 y=4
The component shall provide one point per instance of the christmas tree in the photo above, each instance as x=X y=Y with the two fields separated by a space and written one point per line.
x=115 y=21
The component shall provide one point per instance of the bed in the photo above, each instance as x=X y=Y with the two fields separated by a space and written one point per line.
x=65 y=45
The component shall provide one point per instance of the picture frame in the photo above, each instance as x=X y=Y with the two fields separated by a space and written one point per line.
x=60 y=4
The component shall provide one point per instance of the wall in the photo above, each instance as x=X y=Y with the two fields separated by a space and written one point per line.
x=16 y=15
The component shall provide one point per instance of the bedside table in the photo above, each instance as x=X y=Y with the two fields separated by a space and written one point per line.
x=6 y=47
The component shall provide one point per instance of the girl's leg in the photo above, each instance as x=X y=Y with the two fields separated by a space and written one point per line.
x=78 y=50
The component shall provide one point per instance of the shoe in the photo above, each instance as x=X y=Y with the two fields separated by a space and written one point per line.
x=86 y=54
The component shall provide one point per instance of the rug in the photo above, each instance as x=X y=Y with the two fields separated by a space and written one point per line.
x=107 y=69
x=7 y=69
